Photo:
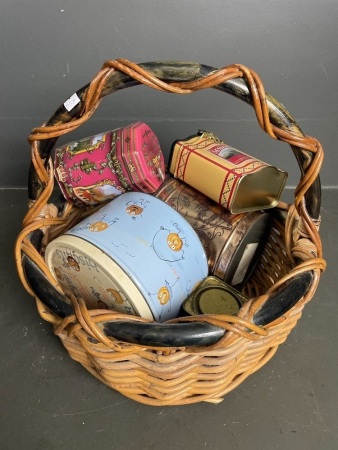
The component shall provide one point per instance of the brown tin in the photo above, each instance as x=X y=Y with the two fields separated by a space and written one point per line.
x=235 y=180
x=233 y=242
x=213 y=296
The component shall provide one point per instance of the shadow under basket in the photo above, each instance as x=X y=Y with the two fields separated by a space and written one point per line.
x=188 y=359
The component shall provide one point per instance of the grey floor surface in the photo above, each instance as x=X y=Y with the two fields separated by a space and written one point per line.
x=50 y=402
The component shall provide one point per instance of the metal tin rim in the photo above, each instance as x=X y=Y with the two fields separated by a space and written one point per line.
x=276 y=195
x=107 y=265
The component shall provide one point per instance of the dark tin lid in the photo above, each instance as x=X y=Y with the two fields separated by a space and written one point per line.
x=213 y=296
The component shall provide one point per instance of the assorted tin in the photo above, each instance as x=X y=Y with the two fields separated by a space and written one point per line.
x=233 y=179
x=213 y=296
x=233 y=242
x=152 y=255
x=101 y=167
x=136 y=255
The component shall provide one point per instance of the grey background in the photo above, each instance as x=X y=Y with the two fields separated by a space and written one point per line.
x=49 y=49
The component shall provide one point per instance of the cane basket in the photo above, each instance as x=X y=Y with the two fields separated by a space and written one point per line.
x=188 y=359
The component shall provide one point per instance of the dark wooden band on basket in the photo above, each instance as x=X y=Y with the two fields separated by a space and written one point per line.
x=179 y=332
x=44 y=214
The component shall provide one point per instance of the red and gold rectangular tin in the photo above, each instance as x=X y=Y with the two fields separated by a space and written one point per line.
x=101 y=167
x=235 y=180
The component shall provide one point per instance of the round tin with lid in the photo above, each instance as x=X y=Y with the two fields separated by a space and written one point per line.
x=233 y=242
x=135 y=255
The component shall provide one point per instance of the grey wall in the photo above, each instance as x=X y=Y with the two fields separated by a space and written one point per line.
x=49 y=49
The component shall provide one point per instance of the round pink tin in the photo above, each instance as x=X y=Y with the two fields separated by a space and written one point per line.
x=101 y=167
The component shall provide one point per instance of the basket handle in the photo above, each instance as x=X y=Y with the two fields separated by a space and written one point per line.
x=185 y=78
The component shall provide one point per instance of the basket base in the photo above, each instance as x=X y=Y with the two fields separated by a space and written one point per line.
x=177 y=377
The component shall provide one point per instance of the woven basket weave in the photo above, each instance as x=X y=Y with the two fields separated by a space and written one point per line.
x=191 y=359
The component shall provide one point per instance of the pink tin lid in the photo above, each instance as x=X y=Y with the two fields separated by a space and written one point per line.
x=142 y=157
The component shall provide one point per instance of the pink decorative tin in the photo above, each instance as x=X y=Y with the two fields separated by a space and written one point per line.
x=101 y=167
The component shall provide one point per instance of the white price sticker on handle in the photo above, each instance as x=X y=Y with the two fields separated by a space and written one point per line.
x=71 y=102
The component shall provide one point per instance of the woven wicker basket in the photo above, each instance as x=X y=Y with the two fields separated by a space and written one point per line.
x=191 y=359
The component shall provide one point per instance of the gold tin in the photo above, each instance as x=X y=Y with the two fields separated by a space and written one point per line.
x=213 y=296
x=233 y=242
x=235 y=180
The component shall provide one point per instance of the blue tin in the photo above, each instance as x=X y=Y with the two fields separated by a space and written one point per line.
x=136 y=255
